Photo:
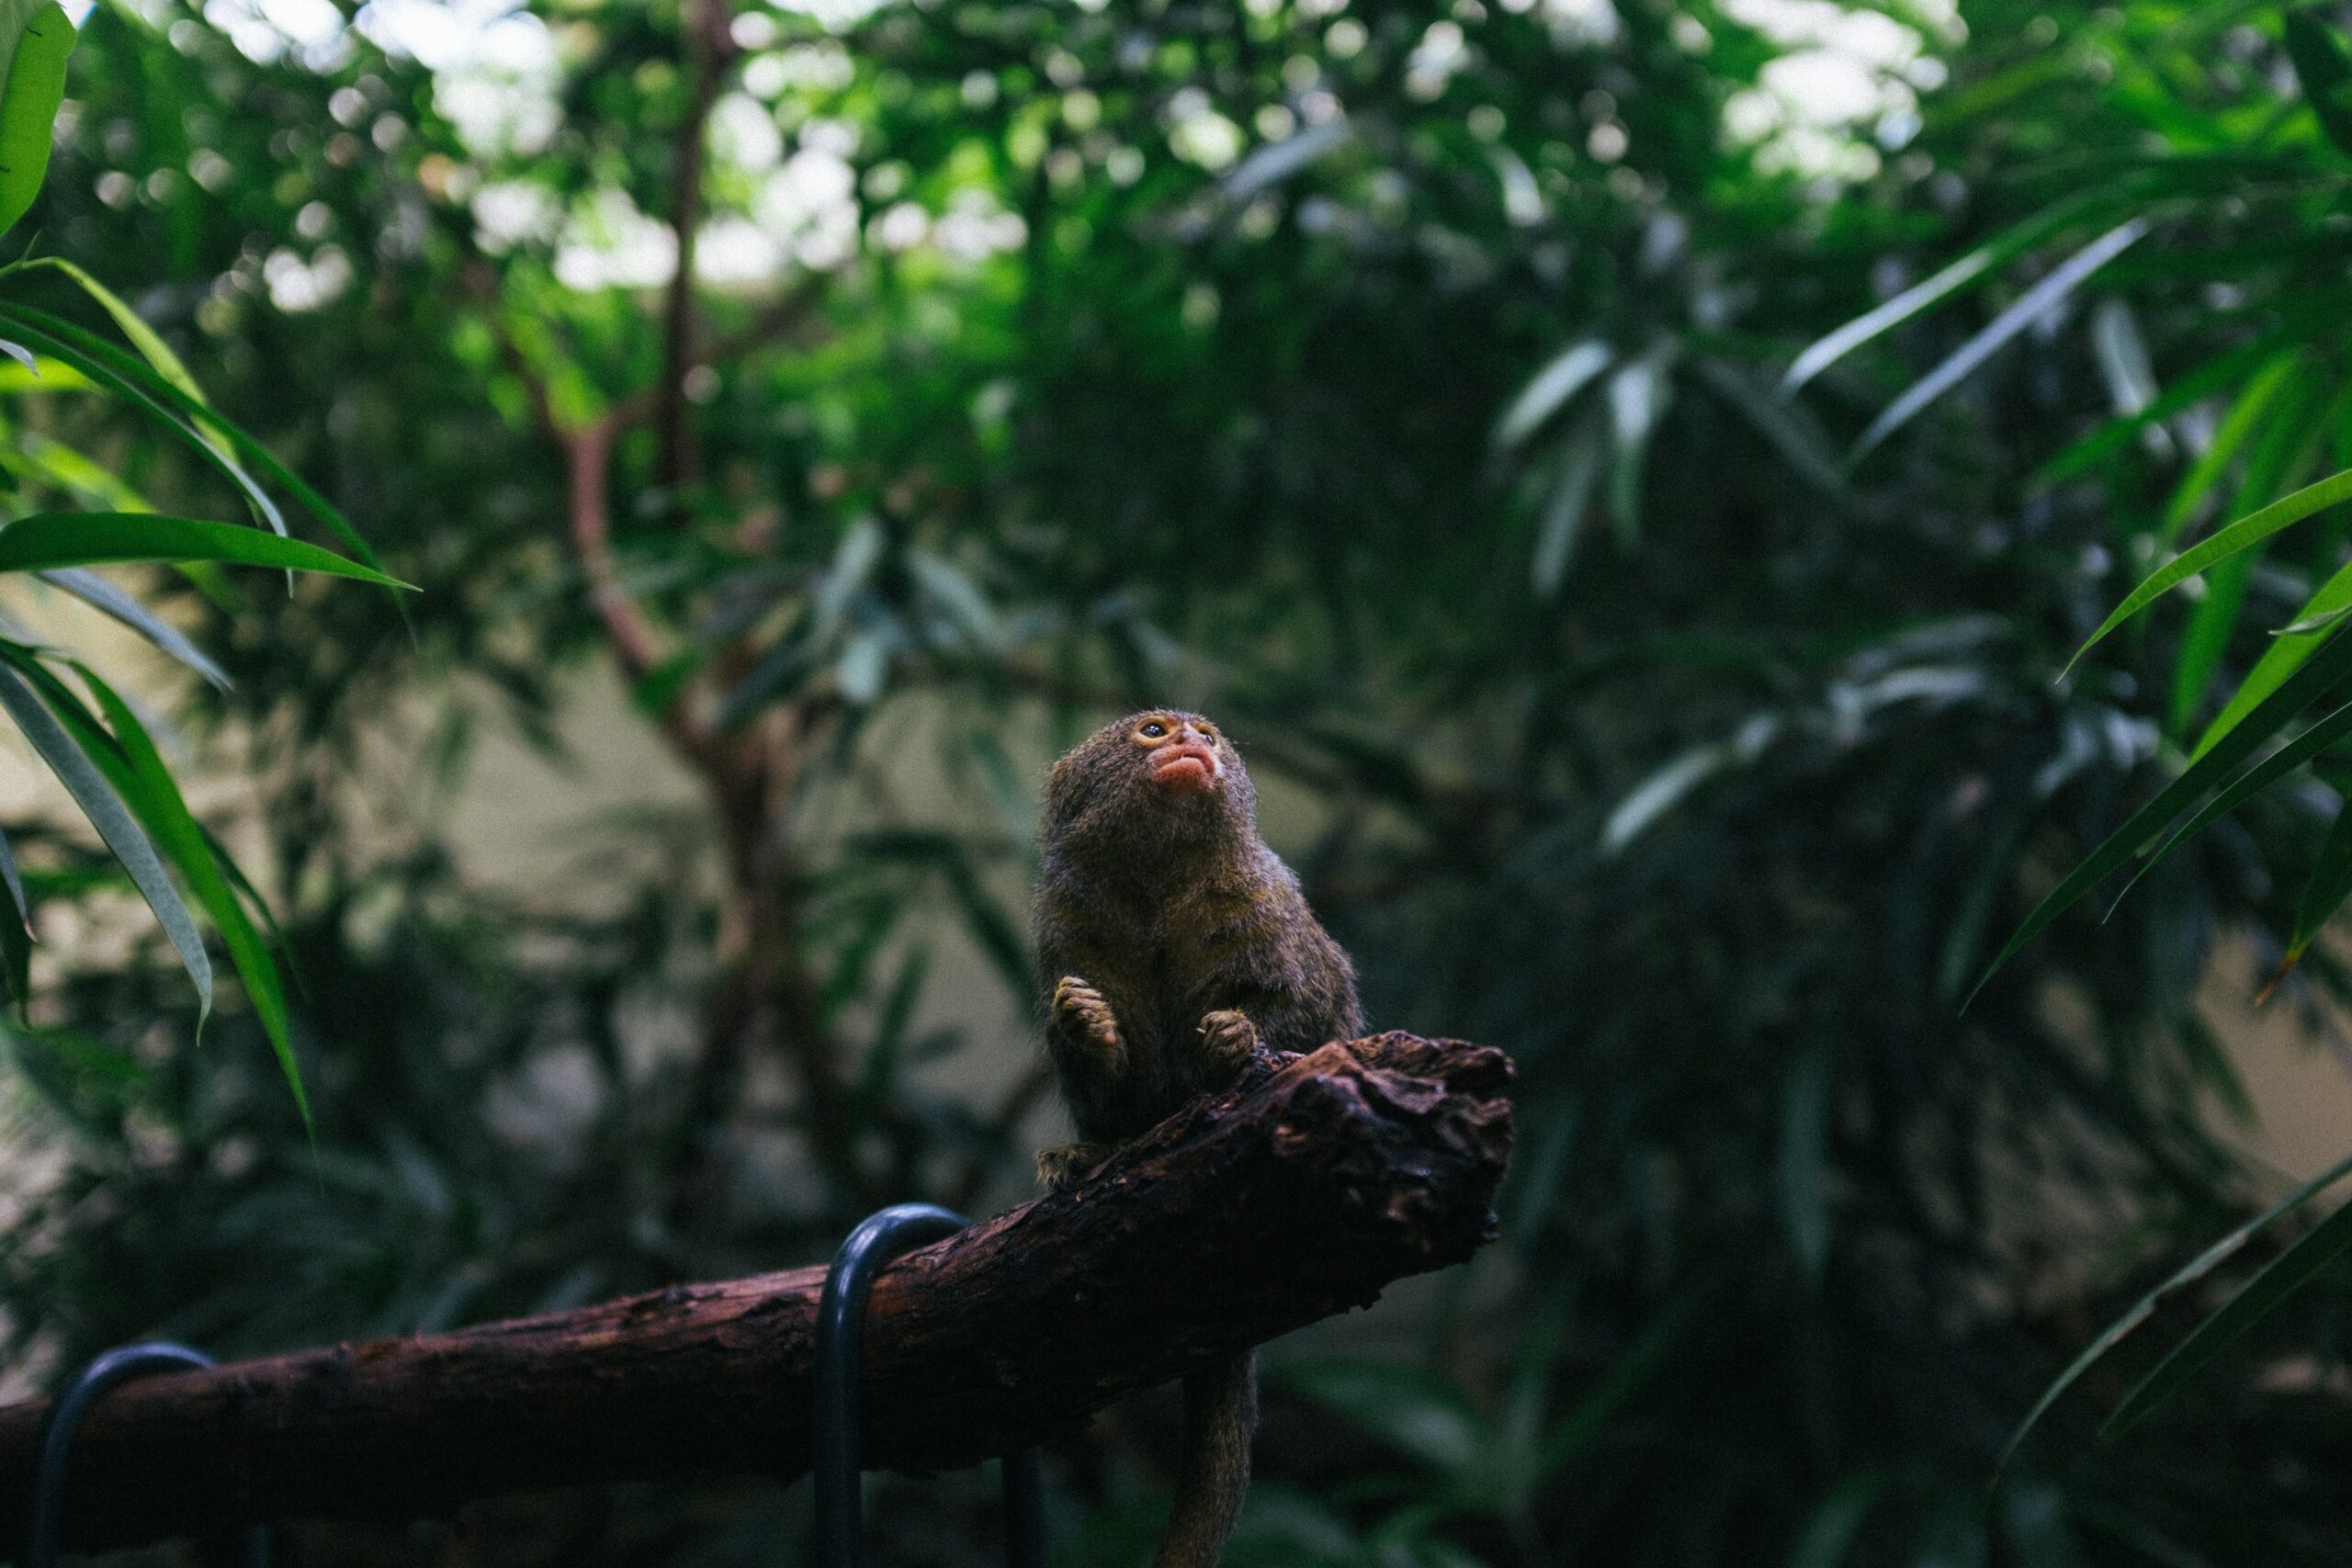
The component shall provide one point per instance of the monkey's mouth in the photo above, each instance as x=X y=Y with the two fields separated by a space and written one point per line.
x=1188 y=769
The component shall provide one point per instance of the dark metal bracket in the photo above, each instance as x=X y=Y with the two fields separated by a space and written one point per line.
x=841 y=1319
x=95 y=1379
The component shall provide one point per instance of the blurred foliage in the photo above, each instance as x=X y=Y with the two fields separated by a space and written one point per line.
x=1413 y=389
x=93 y=741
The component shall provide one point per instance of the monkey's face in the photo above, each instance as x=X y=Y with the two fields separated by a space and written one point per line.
x=1152 y=783
x=1180 y=752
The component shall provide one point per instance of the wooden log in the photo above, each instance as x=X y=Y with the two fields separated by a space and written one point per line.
x=1299 y=1194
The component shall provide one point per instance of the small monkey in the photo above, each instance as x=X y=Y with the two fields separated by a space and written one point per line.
x=1172 y=942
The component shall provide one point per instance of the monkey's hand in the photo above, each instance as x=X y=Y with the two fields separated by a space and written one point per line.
x=1064 y=1168
x=1083 y=1016
x=1228 y=1037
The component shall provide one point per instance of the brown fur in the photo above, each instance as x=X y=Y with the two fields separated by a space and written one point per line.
x=1170 y=942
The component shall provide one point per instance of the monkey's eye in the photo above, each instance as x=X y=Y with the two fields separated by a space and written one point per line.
x=1154 y=729
x=1208 y=734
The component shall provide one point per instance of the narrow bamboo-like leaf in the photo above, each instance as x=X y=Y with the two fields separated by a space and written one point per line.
x=191 y=850
x=95 y=591
x=195 y=410
x=2196 y=386
x=258 y=909
x=2279 y=459
x=1637 y=397
x=2196 y=1268
x=2247 y=416
x=2325 y=71
x=2279 y=1279
x=1838 y=1519
x=45 y=375
x=115 y=824
x=1564 y=510
x=16 y=931
x=2318 y=738
x=1976 y=264
x=50 y=539
x=2325 y=889
x=2122 y=354
x=22 y=356
x=35 y=86
x=116 y=372
x=1804 y=1133
x=58 y=464
x=2322 y=612
x=1656 y=795
x=2030 y=307
x=1600 y=1403
x=2208 y=638
x=1786 y=425
x=144 y=338
x=2311 y=623
x=2323 y=672
x=2328 y=885
x=2241 y=534
x=1569 y=373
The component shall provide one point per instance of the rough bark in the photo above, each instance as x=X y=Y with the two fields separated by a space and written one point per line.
x=1297 y=1195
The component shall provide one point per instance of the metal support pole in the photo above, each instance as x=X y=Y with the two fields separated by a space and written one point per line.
x=84 y=1389
x=841 y=1318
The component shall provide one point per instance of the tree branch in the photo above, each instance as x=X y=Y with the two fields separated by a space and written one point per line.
x=1298 y=1195
x=709 y=50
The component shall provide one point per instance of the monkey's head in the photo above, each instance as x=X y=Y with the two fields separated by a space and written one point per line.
x=1163 y=776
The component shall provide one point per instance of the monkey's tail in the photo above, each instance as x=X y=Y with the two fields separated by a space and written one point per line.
x=1220 y=1413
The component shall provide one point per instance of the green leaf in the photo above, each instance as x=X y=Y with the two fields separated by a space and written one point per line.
x=2193 y=388
x=1637 y=397
x=125 y=367
x=1565 y=507
x=1569 y=372
x=1838 y=1519
x=2244 y=534
x=2279 y=1279
x=2294 y=644
x=16 y=931
x=192 y=851
x=50 y=539
x=2208 y=638
x=13 y=16
x=1804 y=1130
x=1976 y=264
x=1597 y=1410
x=2244 y=418
x=35 y=87
x=2318 y=622
x=2140 y=1311
x=2326 y=74
x=144 y=338
x=2318 y=738
x=2324 y=670
x=1415 y=1412
x=2030 y=307
x=128 y=378
x=55 y=463
x=2330 y=883
x=99 y=593
x=113 y=820
x=1787 y=426
x=2122 y=354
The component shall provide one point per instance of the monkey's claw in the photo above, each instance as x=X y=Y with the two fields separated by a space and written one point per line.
x=1080 y=1009
x=1229 y=1037
x=1066 y=1166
